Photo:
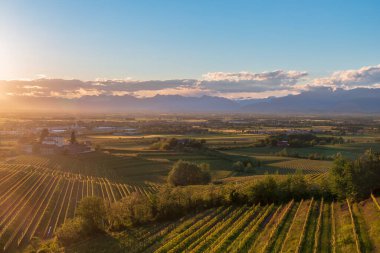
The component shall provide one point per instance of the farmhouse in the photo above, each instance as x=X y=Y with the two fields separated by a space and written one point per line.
x=58 y=141
x=283 y=144
x=51 y=145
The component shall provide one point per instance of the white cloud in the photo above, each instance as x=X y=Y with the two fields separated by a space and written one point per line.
x=252 y=82
x=278 y=75
x=234 y=85
x=368 y=76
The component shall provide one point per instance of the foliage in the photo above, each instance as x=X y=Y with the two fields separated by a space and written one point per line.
x=73 y=230
x=172 y=202
x=73 y=138
x=246 y=166
x=39 y=246
x=91 y=215
x=178 y=144
x=44 y=133
x=300 y=140
x=355 y=179
x=186 y=173
x=131 y=210
x=93 y=211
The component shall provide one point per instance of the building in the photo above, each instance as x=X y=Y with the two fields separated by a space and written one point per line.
x=58 y=141
x=52 y=145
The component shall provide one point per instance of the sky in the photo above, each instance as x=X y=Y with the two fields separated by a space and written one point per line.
x=236 y=49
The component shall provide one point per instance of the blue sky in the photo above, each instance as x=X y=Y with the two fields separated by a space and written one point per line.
x=171 y=39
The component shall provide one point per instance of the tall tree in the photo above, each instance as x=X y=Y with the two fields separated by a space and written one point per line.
x=44 y=134
x=187 y=173
x=356 y=179
x=73 y=138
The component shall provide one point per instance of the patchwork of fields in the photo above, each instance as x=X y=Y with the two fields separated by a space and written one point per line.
x=38 y=193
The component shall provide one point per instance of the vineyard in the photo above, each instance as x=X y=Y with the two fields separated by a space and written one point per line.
x=36 y=199
x=307 y=166
x=304 y=226
x=37 y=195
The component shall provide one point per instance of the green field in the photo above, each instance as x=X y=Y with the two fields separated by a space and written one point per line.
x=351 y=150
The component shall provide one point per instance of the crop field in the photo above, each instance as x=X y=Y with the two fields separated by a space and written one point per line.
x=35 y=198
x=351 y=150
x=305 y=165
x=305 y=226
x=123 y=169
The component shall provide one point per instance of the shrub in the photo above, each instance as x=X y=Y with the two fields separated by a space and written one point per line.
x=131 y=210
x=355 y=179
x=72 y=230
x=93 y=211
x=186 y=173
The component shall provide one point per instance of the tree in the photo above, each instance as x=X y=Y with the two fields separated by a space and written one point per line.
x=131 y=210
x=187 y=173
x=355 y=179
x=295 y=186
x=44 y=134
x=238 y=166
x=265 y=191
x=93 y=211
x=73 y=138
x=72 y=230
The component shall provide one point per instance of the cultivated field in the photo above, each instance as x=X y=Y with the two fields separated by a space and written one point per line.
x=39 y=193
x=305 y=226
x=35 y=199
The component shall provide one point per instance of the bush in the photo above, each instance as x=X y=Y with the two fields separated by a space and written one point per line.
x=93 y=211
x=244 y=166
x=265 y=191
x=131 y=210
x=355 y=179
x=72 y=230
x=187 y=173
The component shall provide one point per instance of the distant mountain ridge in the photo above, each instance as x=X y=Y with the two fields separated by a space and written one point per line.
x=322 y=101
x=317 y=101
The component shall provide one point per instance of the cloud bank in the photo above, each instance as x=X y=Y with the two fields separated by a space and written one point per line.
x=232 y=85
x=368 y=77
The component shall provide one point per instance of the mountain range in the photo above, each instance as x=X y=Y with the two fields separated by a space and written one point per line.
x=316 y=101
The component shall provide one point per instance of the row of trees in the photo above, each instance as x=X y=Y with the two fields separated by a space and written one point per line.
x=94 y=216
x=245 y=166
x=300 y=140
x=178 y=144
